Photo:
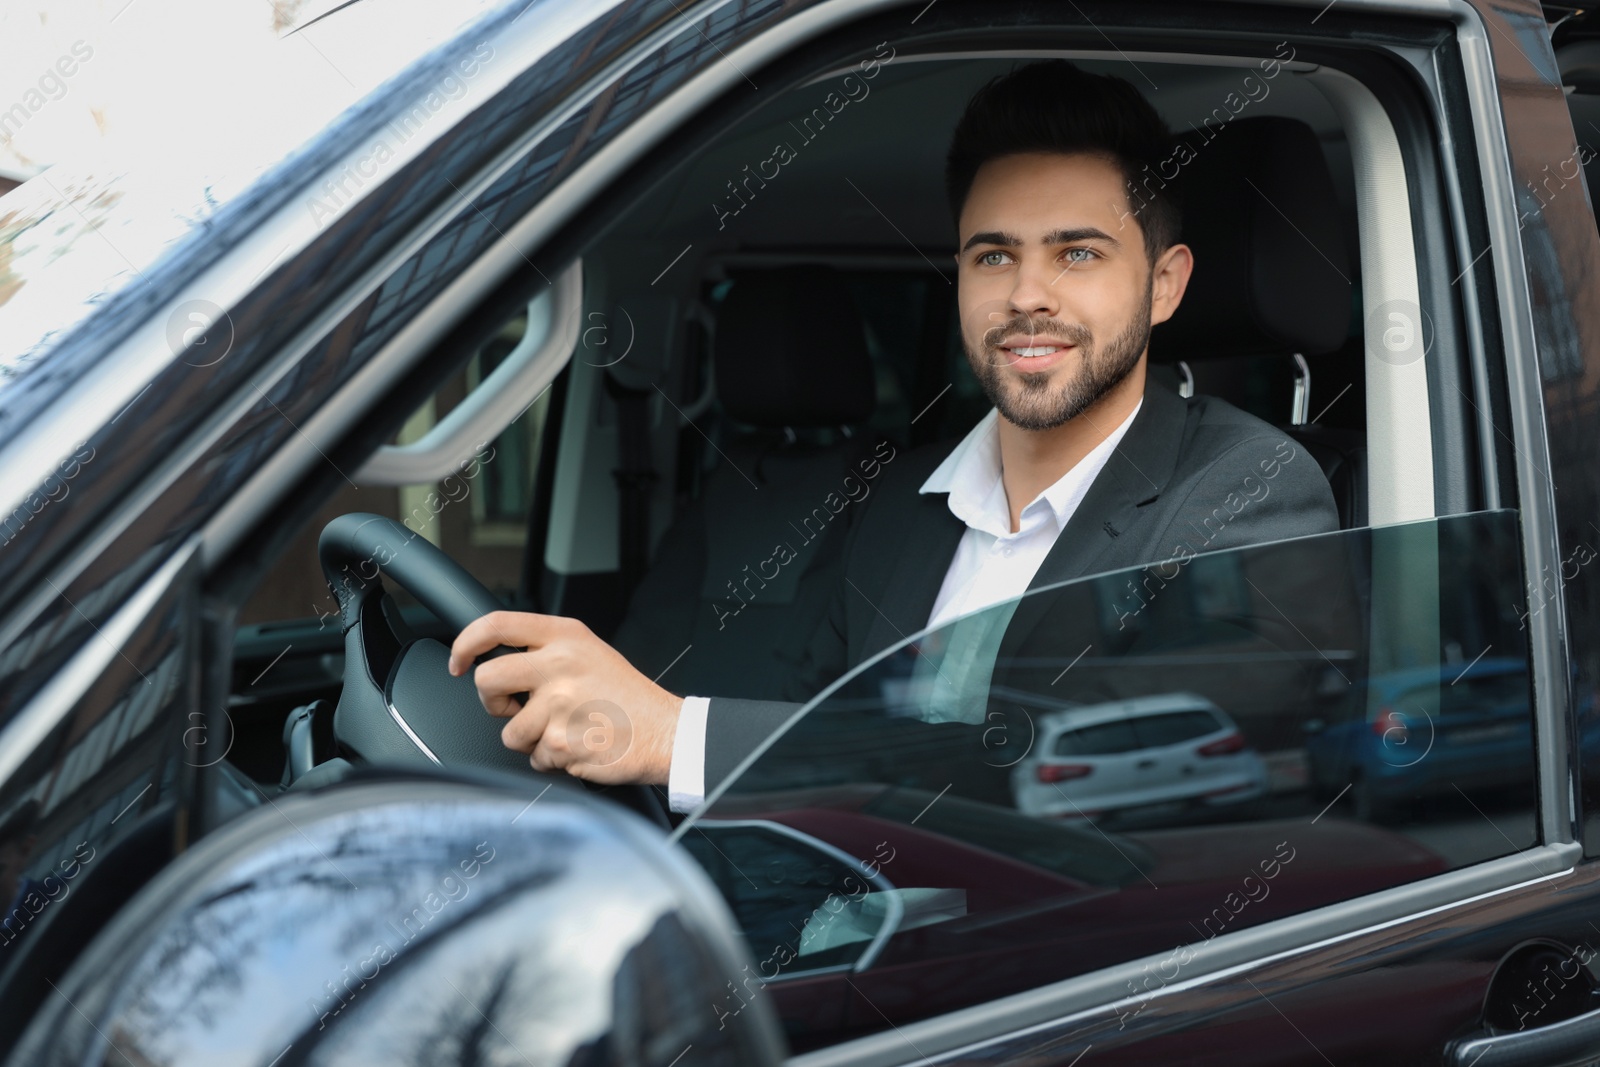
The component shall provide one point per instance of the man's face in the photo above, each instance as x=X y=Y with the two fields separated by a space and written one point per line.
x=1055 y=286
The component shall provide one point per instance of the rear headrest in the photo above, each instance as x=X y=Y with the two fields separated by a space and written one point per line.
x=1271 y=272
x=791 y=350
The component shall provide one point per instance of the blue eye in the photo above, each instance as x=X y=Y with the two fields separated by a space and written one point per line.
x=1080 y=255
x=991 y=259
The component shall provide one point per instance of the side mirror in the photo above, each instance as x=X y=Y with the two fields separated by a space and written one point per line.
x=414 y=918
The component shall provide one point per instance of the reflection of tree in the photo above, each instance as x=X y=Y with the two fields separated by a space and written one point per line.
x=658 y=1010
x=324 y=894
x=506 y=987
x=567 y=947
x=464 y=1034
x=285 y=13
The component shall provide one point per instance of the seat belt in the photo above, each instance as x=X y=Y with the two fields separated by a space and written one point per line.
x=635 y=480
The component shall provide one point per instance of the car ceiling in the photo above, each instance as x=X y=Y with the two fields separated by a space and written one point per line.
x=876 y=181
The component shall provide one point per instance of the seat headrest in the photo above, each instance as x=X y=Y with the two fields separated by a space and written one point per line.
x=1271 y=272
x=791 y=350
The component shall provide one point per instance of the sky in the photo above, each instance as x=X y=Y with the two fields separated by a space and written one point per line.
x=144 y=115
x=215 y=79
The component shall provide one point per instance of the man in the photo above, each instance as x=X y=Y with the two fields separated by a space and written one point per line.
x=1083 y=466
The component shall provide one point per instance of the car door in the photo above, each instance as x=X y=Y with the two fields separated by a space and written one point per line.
x=1269 y=935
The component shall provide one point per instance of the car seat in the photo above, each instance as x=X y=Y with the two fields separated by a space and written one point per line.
x=1272 y=278
x=744 y=573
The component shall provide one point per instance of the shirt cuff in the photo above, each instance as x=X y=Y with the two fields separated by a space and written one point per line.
x=686 y=780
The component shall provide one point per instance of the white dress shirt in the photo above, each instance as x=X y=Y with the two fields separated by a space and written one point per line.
x=992 y=564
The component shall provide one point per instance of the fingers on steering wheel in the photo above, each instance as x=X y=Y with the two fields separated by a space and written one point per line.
x=523 y=731
x=479 y=636
x=502 y=686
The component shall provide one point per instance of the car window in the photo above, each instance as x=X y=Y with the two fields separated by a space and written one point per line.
x=1118 y=786
x=478 y=515
x=803 y=888
x=1101 y=739
x=1156 y=731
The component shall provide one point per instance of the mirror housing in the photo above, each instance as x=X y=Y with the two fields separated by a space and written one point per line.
x=415 y=918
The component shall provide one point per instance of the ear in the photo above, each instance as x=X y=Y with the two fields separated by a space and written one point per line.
x=1169 y=278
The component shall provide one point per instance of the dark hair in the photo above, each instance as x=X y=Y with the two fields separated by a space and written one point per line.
x=1052 y=106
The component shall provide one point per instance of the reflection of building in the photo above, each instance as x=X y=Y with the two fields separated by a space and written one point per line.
x=659 y=1010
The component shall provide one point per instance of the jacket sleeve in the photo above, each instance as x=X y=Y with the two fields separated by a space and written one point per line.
x=735 y=728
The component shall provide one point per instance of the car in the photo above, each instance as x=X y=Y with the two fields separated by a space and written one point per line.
x=1429 y=731
x=1151 y=758
x=548 y=321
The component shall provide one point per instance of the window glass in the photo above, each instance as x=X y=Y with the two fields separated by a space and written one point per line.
x=1101 y=739
x=1125 y=783
x=1156 y=731
x=799 y=877
x=289 y=651
x=479 y=516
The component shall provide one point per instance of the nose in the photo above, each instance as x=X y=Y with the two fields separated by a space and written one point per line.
x=1033 y=293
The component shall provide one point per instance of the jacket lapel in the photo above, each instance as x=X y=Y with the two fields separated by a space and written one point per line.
x=931 y=536
x=1131 y=480
x=1121 y=496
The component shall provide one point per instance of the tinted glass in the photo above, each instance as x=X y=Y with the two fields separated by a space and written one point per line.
x=1359 y=745
x=1100 y=739
x=773 y=878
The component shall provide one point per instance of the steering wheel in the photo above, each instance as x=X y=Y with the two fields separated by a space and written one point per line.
x=400 y=704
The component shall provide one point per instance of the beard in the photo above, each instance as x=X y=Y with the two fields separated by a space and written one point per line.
x=1034 y=403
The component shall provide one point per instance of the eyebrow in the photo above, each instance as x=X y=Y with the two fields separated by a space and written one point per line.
x=1054 y=237
x=992 y=237
x=1080 y=233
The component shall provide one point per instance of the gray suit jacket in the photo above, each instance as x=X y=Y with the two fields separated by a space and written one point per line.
x=1189 y=476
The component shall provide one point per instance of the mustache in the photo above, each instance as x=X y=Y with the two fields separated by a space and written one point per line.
x=1072 y=333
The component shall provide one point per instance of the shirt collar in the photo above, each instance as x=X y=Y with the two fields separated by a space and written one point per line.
x=971 y=475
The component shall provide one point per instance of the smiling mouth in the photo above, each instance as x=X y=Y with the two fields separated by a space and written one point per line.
x=1034 y=356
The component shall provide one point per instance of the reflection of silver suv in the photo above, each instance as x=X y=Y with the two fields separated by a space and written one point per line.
x=1147 y=758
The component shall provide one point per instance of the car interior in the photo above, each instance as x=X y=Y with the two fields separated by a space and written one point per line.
x=780 y=350
x=726 y=350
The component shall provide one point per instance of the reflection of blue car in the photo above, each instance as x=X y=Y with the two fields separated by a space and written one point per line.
x=1427 y=731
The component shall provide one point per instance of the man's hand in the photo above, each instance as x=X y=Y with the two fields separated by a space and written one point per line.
x=588 y=711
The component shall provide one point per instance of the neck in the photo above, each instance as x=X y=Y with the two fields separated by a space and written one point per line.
x=1033 y=460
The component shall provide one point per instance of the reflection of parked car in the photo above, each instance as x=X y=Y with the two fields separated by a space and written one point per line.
x=1427 y=731
x=1151 y=758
